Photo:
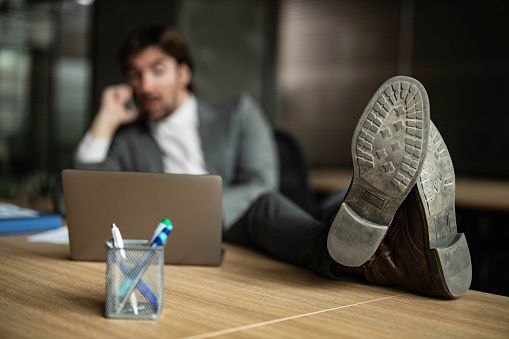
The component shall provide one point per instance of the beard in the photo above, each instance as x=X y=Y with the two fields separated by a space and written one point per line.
x=155 y=114
x=157 y=107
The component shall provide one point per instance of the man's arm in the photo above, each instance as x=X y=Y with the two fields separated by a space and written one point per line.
x=257 y=169
x=92 y=152
x=113 y=112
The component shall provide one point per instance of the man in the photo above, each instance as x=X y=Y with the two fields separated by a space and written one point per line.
x=396 y=226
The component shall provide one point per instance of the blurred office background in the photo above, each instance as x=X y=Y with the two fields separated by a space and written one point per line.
x=312 y=65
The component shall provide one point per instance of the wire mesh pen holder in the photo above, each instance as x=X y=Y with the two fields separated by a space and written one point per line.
x=134 y=280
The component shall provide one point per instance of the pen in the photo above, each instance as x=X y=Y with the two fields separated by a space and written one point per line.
x=145 y=290
x=117 y=240
x=158 y=239
x=161 y=233
x=134 y=302
x=130 y=284
x=119 y=243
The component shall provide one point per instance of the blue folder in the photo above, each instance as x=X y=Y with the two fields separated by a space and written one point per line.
x=14 y=219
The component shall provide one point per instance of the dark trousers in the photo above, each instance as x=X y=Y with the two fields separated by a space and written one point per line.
x=278 y=227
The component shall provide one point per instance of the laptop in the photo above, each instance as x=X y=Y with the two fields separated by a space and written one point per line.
x=136 y=202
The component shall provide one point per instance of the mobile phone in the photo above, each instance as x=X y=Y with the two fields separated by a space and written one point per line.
x=130 y=105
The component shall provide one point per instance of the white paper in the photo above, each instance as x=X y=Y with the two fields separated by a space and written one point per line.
x=10 y=211
x=55 y=236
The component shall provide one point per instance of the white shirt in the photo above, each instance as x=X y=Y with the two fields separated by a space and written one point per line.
x=176 y=135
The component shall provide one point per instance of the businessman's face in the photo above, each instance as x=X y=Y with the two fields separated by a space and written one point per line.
x=159 y=82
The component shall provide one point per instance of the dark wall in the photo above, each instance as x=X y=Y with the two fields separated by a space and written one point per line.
x=335 y=54
x=234 y=47
x=461 y=55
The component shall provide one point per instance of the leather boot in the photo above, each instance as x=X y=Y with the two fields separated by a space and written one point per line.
x=388 y=152
x=422 y=251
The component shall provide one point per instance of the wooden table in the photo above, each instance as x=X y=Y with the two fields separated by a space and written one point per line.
x=470 y=192
x=43 y=294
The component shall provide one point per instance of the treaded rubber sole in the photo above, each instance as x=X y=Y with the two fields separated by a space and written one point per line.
x=448 y=256
x=388 y=151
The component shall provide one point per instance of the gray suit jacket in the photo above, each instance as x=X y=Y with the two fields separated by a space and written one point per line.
x=237 y=143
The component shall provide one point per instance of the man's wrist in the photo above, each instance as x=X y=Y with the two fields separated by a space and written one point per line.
x=92 y=149
x=103 y=127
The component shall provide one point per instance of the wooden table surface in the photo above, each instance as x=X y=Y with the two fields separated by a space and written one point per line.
x=470 y=192
x=43 y=294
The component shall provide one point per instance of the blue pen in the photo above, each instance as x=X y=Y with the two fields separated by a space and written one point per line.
x=145 y=290
x=161 y=233
x=159 y=238
x=135 y=273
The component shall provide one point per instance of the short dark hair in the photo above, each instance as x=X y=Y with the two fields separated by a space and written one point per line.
x=165 y=37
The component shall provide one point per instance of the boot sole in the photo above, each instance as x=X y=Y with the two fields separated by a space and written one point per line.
x=388 y=151
x=448 y=256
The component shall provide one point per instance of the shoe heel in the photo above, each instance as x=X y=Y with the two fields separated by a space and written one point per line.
x=352 y=240
x=453 y=272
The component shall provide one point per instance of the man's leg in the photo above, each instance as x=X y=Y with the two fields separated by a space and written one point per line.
x=280 y=228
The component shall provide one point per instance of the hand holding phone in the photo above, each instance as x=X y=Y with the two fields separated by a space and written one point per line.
x=117 y=108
